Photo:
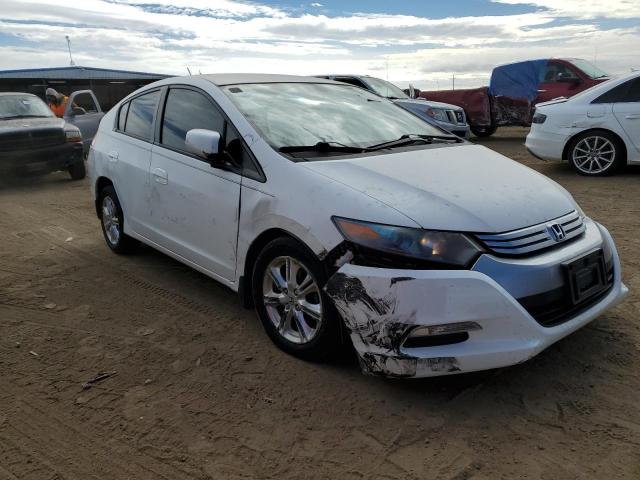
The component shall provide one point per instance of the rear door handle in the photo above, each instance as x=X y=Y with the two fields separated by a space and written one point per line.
x=633 y=116
x=542 y=91
x=113 y=156
x=160 y=176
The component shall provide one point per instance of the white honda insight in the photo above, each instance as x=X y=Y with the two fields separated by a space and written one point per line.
x=338 y=215
x=597 y=131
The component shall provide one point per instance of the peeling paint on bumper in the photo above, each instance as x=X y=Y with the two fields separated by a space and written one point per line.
x=380 y=307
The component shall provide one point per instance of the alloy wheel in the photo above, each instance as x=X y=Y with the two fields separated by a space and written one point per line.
x=110 y=220
x=292 y=299
x=593 y=155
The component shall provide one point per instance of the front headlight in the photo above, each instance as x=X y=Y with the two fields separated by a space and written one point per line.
x=438 y=114
x=446 y=248
x=72 y=134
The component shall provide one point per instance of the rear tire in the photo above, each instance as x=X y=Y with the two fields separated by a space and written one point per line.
x=596 y=153
x=287 y=288
x=483 y=132
x=112 y=222
x=77 y=171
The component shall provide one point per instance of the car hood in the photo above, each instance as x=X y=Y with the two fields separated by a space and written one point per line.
x=19 y=124
x=461 y=187
x=429 y=103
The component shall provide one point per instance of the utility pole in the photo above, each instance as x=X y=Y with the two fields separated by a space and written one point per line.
x=453 y=82
x=71 y=62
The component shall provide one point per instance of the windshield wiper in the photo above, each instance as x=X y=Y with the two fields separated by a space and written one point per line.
x=411 y=139
x=12 y=117
x=323 y=147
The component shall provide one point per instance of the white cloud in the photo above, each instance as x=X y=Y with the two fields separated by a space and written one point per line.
x=586 y=9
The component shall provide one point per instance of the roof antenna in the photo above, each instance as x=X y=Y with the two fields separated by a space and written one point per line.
x=71 y=62
x=189 y=71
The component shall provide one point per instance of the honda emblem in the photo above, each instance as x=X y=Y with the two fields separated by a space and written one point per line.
x=557 y=232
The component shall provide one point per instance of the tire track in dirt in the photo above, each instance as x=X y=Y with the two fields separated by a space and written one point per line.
x=82 y=455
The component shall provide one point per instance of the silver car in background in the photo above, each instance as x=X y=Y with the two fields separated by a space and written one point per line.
x=447 y=116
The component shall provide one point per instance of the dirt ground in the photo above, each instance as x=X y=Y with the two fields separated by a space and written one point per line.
x=200 y=392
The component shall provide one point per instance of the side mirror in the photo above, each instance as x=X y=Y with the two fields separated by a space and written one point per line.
x=205 y=144
x=78 y=111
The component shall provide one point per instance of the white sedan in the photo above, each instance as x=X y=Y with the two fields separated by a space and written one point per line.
x=596 y=131
x=339 y=215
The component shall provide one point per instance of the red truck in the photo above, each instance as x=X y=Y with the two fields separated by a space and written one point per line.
x=515 y=88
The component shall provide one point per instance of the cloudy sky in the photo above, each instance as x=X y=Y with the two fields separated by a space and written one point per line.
x=418 y=41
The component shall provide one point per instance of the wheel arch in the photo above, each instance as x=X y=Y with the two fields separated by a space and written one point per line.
x=569 y=143
x=101 y=183
x=257 y=245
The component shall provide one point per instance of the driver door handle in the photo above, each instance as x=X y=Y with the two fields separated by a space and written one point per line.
x=633 y=116
x=160 y=176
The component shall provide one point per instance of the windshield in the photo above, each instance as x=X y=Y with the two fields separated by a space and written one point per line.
x=19 y=106
x=589 y=69
x=293 y=114
x=384 y=88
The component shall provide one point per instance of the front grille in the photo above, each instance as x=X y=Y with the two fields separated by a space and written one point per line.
x=31 y=139
x=455 y=116
x=555 y=306
x=535 y=238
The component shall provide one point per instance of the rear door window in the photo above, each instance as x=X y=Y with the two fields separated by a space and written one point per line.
x=186 y=110
x=140 y=116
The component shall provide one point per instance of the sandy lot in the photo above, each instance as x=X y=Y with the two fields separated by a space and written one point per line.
x=200 y=392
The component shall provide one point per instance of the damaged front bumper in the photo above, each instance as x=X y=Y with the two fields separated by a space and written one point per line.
x=381 y=306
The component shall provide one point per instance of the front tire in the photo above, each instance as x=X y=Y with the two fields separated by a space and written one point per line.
x=112 y=221
x=597 y=153
x=78 y=170
x=297 y=315
x=484 y=132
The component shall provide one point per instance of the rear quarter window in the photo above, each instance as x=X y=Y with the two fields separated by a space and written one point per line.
x=139 y=122
x=628 y=91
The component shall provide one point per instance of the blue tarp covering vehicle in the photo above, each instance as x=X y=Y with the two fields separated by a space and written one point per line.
x=518 y=80
x=514 y=90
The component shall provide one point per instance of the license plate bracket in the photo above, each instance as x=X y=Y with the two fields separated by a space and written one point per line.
x=586 y=276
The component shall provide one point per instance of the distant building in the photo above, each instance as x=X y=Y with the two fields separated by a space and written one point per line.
x=110 y=86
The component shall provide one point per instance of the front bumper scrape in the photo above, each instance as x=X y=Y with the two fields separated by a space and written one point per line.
x=381 y=306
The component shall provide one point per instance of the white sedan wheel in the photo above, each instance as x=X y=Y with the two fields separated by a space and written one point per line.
x=593 y=155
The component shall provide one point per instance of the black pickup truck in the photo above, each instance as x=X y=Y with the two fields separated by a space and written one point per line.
x=33 y=140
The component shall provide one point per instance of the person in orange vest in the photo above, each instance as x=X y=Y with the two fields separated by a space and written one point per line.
x=57 y=102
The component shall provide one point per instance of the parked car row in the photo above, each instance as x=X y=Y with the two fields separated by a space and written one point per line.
x=343 y=211
x=344 y=219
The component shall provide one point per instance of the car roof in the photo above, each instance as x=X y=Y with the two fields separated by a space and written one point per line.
x=4 y=94
x=223 y=79
x=349 y=75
